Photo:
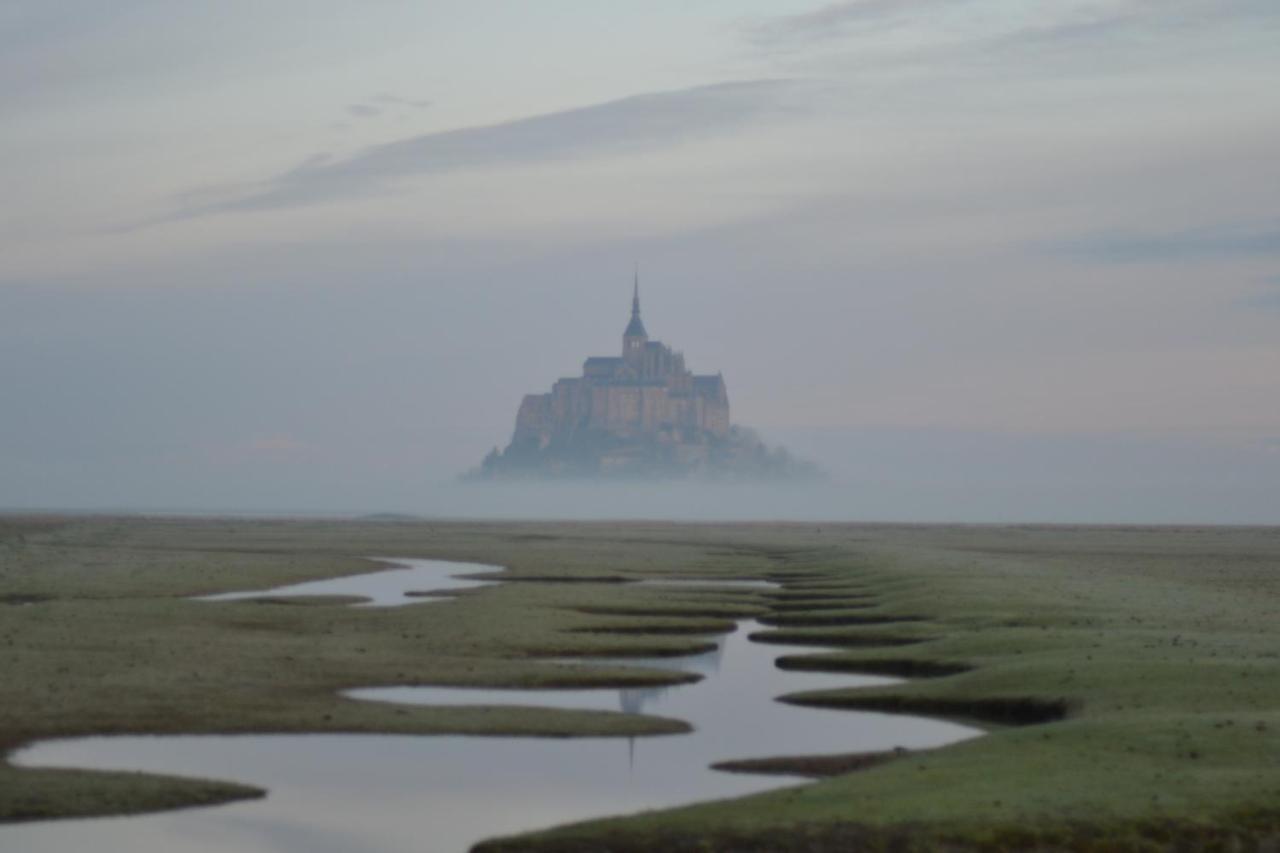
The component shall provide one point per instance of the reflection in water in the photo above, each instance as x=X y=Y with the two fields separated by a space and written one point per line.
x=439 y=794
x=707 y=663
x=731 y=708
x=392 y=587
x=634 y=699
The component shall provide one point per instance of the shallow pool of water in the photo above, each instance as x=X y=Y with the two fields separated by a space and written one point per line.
x=440 y=794
x=731 y=708
x=394 y=587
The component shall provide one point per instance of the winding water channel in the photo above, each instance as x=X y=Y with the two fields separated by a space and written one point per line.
x=408 y=581
x=444 y=793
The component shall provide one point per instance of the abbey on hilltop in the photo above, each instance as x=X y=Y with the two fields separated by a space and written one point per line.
x=641 y=413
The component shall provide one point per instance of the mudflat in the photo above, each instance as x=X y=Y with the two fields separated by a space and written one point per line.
x=1128 y=676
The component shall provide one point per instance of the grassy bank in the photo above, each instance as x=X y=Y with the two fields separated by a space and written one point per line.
x=1133 y=673
x=100 y=636
x=1129 y=675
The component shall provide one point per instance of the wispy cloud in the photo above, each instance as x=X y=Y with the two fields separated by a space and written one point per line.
x=1177 y=246
x=383 y=102
x=635 y=123
x=388 y=98
x=831 y=21
x=950 y=24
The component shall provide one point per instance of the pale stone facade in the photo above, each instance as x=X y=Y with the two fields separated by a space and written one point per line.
x=645 y=392
x=638 y=414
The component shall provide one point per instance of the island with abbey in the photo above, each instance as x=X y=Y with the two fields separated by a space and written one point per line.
x=639 y=414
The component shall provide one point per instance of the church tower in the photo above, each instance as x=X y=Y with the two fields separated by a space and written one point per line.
x=635 y=337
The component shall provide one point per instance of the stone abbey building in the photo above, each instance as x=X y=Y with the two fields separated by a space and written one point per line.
x=641 y=413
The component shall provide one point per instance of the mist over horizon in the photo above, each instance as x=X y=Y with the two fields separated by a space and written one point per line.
x=982 y=261
x=886 y=476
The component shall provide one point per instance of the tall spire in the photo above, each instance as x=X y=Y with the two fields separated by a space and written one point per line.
x=635 y=295
x=635 y=329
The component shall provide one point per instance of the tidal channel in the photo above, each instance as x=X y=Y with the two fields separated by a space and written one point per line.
x=444 y=793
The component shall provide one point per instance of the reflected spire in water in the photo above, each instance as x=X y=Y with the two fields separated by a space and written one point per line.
x=633 y=700
x=467 y=788
x=709 y=664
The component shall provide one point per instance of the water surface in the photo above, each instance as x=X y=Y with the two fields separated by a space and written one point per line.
x=441 y=794
x=731 y=709
x=402 y=584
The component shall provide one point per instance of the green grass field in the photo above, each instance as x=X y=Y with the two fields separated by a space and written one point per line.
x=1129 y=676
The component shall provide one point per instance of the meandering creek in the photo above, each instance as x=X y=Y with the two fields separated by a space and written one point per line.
x=404 y=583
x=444 y=793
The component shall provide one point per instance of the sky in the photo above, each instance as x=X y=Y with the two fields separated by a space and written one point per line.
x=983 y=260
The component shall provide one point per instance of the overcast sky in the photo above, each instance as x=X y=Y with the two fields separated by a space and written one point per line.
x=983 y=259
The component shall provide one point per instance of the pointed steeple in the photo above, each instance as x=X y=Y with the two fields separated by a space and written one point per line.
x=635 y=329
